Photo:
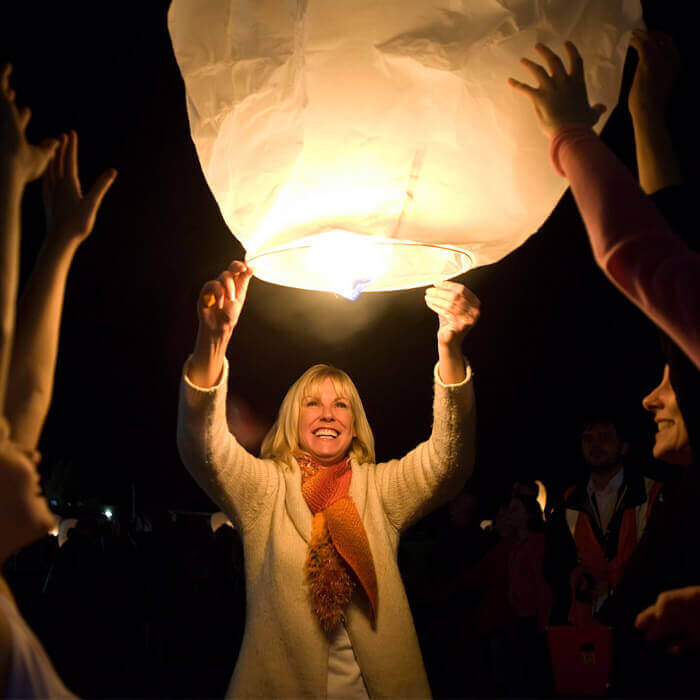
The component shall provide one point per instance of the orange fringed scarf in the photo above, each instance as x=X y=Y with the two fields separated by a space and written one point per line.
x=338 y=547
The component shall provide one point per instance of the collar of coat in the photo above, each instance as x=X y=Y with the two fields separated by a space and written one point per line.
x=299 y=511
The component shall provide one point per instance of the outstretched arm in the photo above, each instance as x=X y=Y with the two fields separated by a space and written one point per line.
x=436 y=469
x=70 y=219
x=657 y=70
x=235 y=480
x=631 y=241
x=20 y=163
x=458 y=310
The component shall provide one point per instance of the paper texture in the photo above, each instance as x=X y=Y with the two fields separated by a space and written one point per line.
x=342 y=123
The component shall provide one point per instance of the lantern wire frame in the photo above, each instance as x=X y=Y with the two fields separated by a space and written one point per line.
x=354 y=263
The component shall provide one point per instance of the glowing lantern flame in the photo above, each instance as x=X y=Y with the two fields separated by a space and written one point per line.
x=381 y=132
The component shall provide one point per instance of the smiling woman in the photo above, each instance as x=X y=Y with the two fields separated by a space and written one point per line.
x=320 y=520
x=322 y=415
x=671 y=443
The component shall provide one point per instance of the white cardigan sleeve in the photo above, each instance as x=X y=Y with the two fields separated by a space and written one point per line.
x=437 y=469
x=235 y=480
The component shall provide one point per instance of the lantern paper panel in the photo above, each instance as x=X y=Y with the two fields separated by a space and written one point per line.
x=367 y=145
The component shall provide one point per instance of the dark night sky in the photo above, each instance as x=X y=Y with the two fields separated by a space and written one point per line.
x=554 y=337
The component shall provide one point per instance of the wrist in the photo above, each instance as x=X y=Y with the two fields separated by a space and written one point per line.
x=451 y=349
x=13 y=170
x=11 y=178
x=59 y=248
x=207 y=361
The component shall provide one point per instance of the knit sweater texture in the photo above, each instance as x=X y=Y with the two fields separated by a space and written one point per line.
x=285 y=652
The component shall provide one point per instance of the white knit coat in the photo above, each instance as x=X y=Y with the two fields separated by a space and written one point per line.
x=284 y=652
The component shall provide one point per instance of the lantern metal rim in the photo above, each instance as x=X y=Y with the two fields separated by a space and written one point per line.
x=384 y=283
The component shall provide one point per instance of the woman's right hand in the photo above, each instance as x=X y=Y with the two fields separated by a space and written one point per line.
x=221 y=300
x=219 y=308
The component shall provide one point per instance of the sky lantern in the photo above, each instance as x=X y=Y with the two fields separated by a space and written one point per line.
x=370 y=145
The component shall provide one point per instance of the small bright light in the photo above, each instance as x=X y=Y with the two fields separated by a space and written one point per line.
x=348 y=262
x=108 y=513
x=541 y=496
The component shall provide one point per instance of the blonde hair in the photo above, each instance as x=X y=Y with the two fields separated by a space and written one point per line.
x=282 y=440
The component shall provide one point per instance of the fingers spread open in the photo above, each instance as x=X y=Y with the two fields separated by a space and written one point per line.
x=99 y=189
x=61 y=156
x=522 y=87
x=5 y=73
x=541 y=75
x=554 y=63
x=71 y=165
x=575 y=60
x=24 y=114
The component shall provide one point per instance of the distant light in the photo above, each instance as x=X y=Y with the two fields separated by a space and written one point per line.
x=542 y=497
x=108 y=513
x=486 y=525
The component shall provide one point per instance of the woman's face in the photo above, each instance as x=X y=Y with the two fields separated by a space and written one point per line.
x=326 y=425
x=24 y=512
x=671 y=443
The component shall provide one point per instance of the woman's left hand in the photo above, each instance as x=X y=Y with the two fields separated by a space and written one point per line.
x=457 y=308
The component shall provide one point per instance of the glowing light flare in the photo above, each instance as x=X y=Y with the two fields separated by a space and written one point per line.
x=346 y=263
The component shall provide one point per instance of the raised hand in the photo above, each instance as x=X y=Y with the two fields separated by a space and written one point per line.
x=70 y=215
x=457 y=309
x=657 y=70
x=25 y=161
x=219 y=308
x=221 y=300
x=561 y=99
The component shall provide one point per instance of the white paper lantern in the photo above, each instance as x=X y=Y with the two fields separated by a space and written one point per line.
x=375 y=144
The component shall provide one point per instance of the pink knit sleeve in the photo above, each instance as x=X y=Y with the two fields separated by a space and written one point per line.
x=631 y=241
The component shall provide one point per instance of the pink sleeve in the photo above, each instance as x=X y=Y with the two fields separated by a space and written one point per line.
x=631 y=241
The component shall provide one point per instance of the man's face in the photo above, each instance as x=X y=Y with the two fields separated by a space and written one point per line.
x=601 y=447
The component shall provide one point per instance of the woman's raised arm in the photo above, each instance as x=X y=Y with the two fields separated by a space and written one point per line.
x=436 y=469
x=219 y=308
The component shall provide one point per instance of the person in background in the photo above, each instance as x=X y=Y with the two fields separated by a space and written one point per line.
x=605 y=513
x=27 y=360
